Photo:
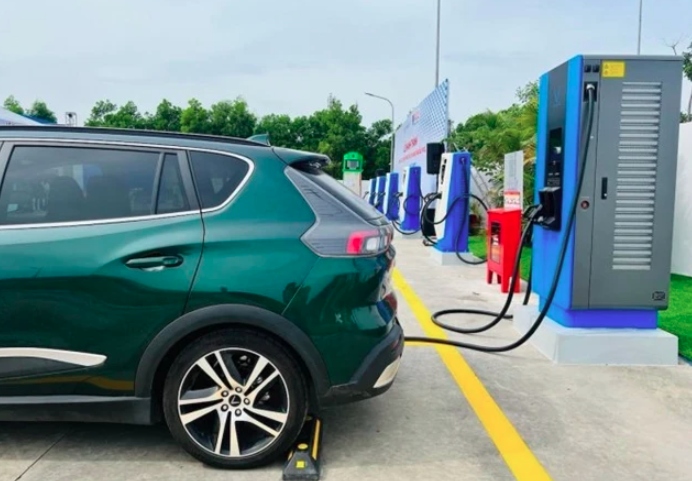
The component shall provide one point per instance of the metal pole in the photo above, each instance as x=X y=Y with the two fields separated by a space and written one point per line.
x=437 y=48
x=391 y=159
x=639 y=34
x=391 y=167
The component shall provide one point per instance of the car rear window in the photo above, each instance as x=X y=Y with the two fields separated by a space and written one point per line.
x=217 y=176
x=343 y=194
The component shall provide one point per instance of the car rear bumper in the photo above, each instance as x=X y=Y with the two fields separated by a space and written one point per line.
x=375 y=375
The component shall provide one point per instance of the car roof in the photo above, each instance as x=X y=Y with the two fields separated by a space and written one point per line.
x=237 y=145
x=110 y=134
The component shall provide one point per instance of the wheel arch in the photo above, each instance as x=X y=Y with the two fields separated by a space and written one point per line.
x=168 y=342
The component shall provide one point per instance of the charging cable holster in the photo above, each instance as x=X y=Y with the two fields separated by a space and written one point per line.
x=550 y=216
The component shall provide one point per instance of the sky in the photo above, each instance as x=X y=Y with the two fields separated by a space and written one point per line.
x=288 y=56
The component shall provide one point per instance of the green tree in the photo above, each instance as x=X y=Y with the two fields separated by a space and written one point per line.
x=333 y=131
x=377 y=150
x=167 y=117
x=307 y=132
x=340 y=130
x=280 y=129
x=195 y=118
x=491 y=135
x=13 y=105
x=129 y=117
x=107 y=114
x=232 y=119
x=40 y=111
x=101 y=114
x=684 y=117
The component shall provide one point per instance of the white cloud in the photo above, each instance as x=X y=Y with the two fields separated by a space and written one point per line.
x=288 y=56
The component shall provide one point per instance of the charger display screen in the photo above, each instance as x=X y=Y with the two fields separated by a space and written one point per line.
x=553 y=169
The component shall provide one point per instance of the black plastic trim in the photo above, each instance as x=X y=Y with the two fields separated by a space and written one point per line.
x=5 y=150
x=361 y=385
x=188 y=182
x=89 y=409
x=227 y=315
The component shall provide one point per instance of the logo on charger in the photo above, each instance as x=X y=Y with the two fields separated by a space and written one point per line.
x=557 y=97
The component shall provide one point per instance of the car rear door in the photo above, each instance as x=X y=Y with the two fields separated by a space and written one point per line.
x=99 y=245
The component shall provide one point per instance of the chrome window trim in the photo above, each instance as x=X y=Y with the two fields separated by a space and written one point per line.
x=251 y=169
x=83 y=359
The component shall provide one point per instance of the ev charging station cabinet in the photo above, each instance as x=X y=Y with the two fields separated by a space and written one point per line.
x=452 y=212
x=352 y=167
x=379 y=197
x=372 y=193
x=616 y=273
x=391 y=191
x=412 y=200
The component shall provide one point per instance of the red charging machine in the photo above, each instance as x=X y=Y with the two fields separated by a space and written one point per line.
x=504 y=234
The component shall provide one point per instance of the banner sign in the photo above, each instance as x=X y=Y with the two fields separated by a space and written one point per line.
x=514 y=180
x=428 y=122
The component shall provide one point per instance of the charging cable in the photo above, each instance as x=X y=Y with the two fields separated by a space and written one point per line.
x=407 y=211
x=532 y=213
x=379 y=200
x=590 y=88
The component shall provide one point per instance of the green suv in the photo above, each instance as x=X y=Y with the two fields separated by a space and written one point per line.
x=226 y=287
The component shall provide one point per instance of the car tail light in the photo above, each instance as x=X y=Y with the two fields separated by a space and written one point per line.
x=338 y=231
x=367 y=242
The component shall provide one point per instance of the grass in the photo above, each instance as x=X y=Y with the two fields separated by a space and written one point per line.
x=677 y=319
x=478 y=247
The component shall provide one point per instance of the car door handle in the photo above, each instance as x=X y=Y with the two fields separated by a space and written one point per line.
x=153 y=262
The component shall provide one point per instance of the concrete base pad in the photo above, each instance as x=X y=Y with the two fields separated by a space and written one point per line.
x=630 y=347
x=416 y=235
x=450 y=258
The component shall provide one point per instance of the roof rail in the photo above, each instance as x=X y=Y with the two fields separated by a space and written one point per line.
x=135 y=132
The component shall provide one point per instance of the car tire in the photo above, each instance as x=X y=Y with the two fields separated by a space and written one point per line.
x=219 y=416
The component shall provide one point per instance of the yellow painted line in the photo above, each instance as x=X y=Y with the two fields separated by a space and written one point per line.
x=418 y=344
x=521 y=461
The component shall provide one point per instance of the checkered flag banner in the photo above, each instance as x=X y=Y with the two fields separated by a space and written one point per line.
x=428 y=122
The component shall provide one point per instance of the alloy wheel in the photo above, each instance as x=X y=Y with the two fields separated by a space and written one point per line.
x=233 y=402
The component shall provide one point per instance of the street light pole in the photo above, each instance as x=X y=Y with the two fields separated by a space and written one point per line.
x=391 y=160
x=437 y=47
x=639 y=34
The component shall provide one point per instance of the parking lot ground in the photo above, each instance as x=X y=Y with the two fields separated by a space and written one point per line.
x=451 y=414
x=582 y=423
x=422 y=428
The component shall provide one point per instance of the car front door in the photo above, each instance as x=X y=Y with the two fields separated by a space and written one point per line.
x=99 y=245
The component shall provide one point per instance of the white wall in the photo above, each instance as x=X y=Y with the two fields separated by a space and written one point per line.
x=682 y=231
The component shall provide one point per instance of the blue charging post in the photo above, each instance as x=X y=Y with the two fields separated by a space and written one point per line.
x=372 y=193
x=616 y=272
x=452 y=211
x=379 y=196
x=391 y=189
x=411 y=201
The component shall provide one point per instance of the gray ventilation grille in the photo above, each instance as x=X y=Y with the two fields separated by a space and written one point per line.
x=640 y=117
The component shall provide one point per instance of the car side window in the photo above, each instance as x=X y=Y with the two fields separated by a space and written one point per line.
x=216 y=176
x=172 y=196
x=48 y=184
